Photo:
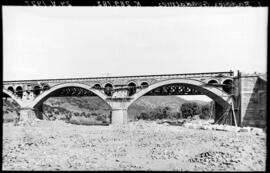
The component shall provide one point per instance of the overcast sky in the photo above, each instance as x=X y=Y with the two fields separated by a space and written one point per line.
x=67 y=42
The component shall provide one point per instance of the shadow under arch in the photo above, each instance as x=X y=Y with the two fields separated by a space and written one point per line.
x=219 y=96
x=46 y=94
x=12 y=96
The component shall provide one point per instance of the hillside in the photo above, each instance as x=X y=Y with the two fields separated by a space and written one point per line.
x=59 y=107
x=147 y=103
x=200 y=102
x=10 y=109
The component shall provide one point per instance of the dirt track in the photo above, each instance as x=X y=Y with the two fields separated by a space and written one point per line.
x=139 y=145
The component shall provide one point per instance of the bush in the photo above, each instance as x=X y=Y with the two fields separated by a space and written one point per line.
x=206 y=112
x=94 y=114
x=68 y=116
x=76 y=114
x=80 y=120
x=190 y=109
x=83 y=114
x=8 y=119
x=157 y=113
x=101 y=118
x=74 y=120
x=88 y=115
x=174 y=115
x=196 y=109
x=143 y=116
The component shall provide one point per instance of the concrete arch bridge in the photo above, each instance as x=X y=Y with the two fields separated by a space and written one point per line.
x=120 y=92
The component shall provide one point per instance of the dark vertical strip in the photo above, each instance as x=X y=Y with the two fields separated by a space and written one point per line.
x=240 y=98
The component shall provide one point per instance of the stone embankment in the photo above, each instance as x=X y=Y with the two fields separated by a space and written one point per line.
x=208 y=125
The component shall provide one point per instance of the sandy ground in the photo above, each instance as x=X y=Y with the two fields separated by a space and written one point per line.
x=56 y=145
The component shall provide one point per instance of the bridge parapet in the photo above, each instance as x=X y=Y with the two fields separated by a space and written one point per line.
x=219 y=77
x=97 y=79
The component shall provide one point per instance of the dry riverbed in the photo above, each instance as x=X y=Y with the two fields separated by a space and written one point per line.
x=56 y=145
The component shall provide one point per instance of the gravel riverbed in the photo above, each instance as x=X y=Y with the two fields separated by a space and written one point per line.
x=56 y=145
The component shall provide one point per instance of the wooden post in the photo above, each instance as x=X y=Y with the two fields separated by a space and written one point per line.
x=234 y=115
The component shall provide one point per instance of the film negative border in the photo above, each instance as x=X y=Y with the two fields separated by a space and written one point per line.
x=137 y=3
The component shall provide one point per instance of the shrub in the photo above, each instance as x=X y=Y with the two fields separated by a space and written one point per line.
x=190 y=109
x=143 y=116
x=156 y=113
x=76 y=114
x=196 y=109
x=94 y=114
x=68 y=116
x=205 y=112
x=88 y=115
x=74 y=120
x=10 y=117
x=101 y=118
x=83 y=114
x=80 y=120
x=174 y=115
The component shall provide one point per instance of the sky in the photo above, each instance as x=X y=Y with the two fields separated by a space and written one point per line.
x=74 y=42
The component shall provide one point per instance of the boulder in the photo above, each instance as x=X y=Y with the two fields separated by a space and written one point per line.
x=202 y=127
x=231 y=128
x=220 y=128
x=257 y=131
x=186 y=125
x=196 y=126
x=166 y=124
x=214 y=126
x=244 y=129
x=208 y=127
x=235 y=129
x=196 y=117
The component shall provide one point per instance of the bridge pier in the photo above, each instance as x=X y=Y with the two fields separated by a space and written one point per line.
x=27 y=114
x=119 y=116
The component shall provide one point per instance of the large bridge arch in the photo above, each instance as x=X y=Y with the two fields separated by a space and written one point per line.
x=13 y=97
x=46 y=94
x=219 y=96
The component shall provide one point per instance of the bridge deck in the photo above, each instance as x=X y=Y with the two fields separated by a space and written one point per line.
x=208 y=74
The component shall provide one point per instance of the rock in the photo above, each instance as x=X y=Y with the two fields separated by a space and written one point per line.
x=191 y=126
x=208 y=127
x=186 y=125
x=196 y=117
x=220 y=128
x=203 y=127
x=231 y=128
x=244 y=130
x=199 y=123
x=166 y=124
x=196 y=126
x=214 y=126
x=234 y=129
x=257 y=131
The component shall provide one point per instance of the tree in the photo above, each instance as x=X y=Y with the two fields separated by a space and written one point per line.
x=196 y=109
x=186 y=109
x=190 y=109
x=143 y=116
x=206 y=112
x=83 y=114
